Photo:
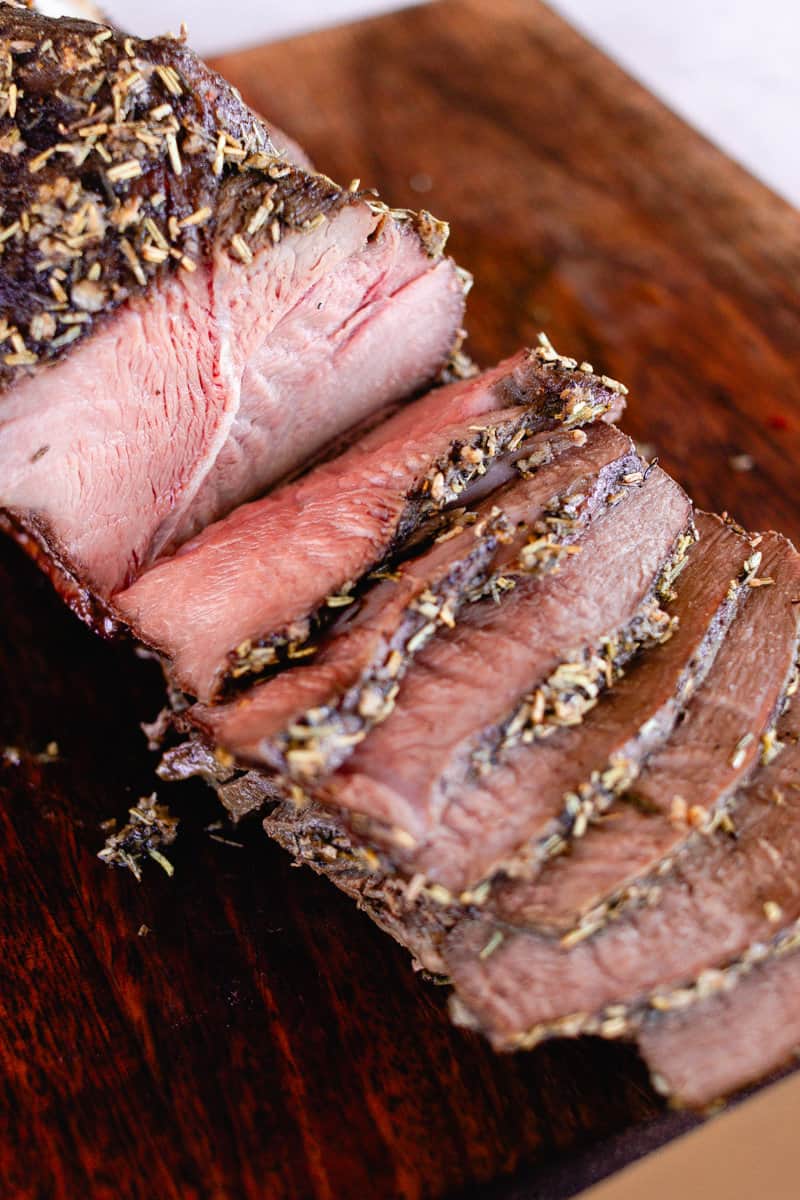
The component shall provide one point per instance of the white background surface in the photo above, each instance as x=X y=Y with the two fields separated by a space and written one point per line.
x=731 y=67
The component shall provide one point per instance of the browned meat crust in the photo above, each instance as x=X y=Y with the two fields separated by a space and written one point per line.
x=125 y=160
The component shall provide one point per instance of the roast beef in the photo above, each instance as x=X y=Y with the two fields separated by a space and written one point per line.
x=638 y=713
x=419 y=916
x=540 y=792
x=685 y=785
x=724 y=897
x=557 y=769
x=286 y=146
x=185 y=317
x=303 y=722
x=470 y=692
x=745 y=1027
x=252 y=584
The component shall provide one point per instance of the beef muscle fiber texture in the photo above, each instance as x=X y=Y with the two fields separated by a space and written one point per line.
x=481 y=696
x=468 y=684
x=683 y=784
x=304 y=721
x=727 y=946
x=735 y=1022
x=716 y=899
x=729 y=1039
x=258 y=578
x=185 y=316
x=538 y=792
x=588 y=761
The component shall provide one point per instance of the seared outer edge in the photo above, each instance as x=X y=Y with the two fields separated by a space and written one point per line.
x=323 y=827
x=550 y=391
x=624 y=1018
x=599 y=793
x=123 y=161
x=321 y=739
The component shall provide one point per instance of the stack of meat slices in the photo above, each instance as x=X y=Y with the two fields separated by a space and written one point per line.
x=485 y=667
x=535 y=735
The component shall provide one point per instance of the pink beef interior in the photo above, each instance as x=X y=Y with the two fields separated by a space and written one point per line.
x=361 y=323
x=631 y=722
x=411 y=772
x=246 y=725
x=213 y=385
x=273 y=562
x=710 y=910
x=700 y=763
x=691 y=1052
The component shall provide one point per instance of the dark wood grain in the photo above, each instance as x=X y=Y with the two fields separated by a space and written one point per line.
x=263 y=1039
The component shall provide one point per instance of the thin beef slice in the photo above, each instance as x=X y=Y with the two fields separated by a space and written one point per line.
x=306 y=721
x=733 y=1037
x=538 y=793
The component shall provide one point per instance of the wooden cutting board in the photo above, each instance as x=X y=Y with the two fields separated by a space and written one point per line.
x=240 y=1030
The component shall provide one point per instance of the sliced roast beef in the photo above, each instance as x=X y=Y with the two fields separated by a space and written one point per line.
x=686 y=784
x=744 y=1028
x=322 y=708
x=629 y=720
x=563 y=637
x=304 y=722
x=725 y=894
x=254 y=582
x=185 y=317
x=541 y=791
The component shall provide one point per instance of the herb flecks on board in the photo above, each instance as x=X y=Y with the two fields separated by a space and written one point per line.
x=151 y=827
